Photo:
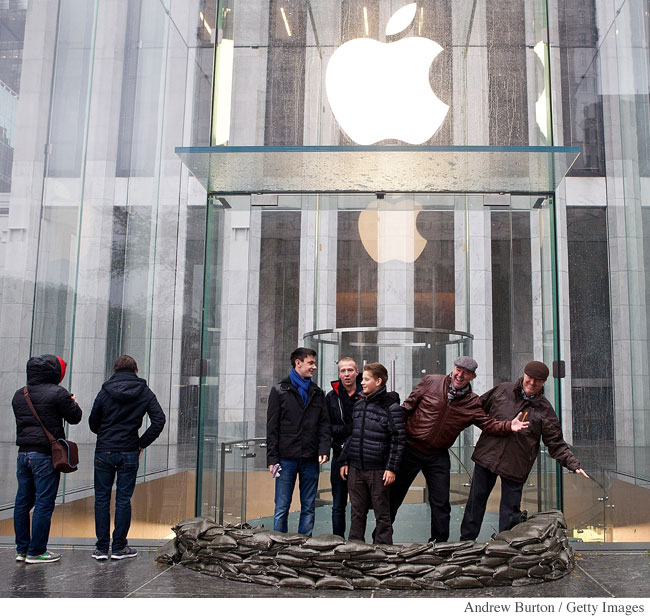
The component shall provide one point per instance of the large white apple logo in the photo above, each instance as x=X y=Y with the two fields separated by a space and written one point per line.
x=381 y=90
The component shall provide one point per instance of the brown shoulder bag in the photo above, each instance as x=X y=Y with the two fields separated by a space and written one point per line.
x=65 y=454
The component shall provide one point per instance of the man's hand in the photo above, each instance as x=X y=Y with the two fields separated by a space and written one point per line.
x=579 y=471
x=516 y=424
x=344 y=472
x=323 y=459
x=140 y=453
x=388 y=477
x=271 y=468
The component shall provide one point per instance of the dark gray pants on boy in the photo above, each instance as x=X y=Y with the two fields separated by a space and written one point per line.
x=366 y=489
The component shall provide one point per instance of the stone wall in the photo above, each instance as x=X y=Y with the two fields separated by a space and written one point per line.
x=535 y=551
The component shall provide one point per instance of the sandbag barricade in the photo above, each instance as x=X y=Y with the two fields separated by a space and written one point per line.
x=533 y=552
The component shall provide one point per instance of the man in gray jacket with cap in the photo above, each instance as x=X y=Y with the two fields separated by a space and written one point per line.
x=512 y=457
x=435 y=413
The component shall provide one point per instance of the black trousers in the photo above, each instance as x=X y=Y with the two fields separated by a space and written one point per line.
x=366 y=489
x=435 y=468
x=509 y=507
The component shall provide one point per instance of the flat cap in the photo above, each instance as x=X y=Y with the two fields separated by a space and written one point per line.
x=537 y=370
x=467 y=363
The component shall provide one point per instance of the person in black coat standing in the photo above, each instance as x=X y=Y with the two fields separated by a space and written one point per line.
x=38 y=481
x=116 y=417
x=346 y=392
x=297 y=440
x=372 y=454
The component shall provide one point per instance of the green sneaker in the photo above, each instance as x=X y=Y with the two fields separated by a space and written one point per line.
x=46 y=557
x=20 y=558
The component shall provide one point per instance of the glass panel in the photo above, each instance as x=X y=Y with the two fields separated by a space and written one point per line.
x=379 y=169
x=87 y=278
x=349 y=275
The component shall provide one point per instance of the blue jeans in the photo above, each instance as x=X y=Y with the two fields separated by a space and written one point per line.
x=38 y=483
x=307 y=470
x=107 y=466
x=339 y=497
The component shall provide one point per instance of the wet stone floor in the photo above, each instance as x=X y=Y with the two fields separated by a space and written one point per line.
x=597 y=574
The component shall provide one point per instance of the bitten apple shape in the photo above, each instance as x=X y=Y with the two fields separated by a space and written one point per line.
x=381 y=90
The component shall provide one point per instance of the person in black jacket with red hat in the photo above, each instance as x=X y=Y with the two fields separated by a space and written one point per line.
x=372 y=454
x=346 y=391
x=116 y=417
x=38 y=481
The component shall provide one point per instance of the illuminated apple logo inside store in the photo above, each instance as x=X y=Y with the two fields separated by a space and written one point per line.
x=381 y=90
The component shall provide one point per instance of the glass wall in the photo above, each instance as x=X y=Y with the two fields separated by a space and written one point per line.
x=105 y=234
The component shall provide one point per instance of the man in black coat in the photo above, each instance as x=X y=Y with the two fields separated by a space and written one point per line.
x=346 y=391
x=297 y=440
x=38 y=481
x=116 y=417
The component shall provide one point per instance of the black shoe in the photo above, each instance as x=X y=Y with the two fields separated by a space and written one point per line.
x=127 y=552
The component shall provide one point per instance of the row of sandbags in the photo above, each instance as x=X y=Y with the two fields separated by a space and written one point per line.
x=535 y=551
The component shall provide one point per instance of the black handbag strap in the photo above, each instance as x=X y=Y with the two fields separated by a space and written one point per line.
x=33 y=410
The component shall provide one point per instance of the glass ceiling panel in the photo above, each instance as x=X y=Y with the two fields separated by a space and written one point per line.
x=330 y=169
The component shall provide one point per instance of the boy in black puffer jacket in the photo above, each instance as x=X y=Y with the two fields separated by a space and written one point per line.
x=372 y=454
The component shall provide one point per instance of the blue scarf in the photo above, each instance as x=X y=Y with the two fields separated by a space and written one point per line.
x=302 y=385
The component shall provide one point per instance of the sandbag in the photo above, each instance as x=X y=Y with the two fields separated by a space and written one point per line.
x=382 y=570
x=443 y=549
x=365 y=583
x=398 y=583
x=414 y=570
x=324 y=542
x=353 y=547
x=223 y=543
x=334 y=582
x=299 y=551
x=267 y=580
x=414 y=549
x=287 y=538
x=291 y=561
x=444 y=572
x=463 y=581
x=425 y=559
x=500 y=548
x=296 y=582
x=492 y=561
x=509 y=573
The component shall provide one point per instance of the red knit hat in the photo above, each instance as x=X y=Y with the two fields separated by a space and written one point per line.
x=62 y=365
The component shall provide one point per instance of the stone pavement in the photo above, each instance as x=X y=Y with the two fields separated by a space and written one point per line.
x=597 y=574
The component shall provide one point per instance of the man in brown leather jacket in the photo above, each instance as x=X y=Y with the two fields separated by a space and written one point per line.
x=436 y=412
x=512 y=457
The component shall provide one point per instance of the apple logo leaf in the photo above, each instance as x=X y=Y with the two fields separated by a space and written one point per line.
x=401 y=19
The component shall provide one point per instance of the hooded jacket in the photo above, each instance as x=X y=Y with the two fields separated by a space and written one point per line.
x=433 y=422
x=377 y=439
x=512 y=457
x=339 y=406
x=118 y=411
x=53 y=403
x=294 y=430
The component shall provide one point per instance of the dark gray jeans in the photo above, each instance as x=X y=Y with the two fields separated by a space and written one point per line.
x=366 y=489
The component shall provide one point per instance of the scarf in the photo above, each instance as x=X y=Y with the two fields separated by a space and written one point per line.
x=453 y=393
x=526 y=397
x=302 y=385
